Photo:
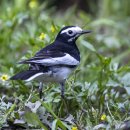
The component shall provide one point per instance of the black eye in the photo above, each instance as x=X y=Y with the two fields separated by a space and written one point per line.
x=70 y=31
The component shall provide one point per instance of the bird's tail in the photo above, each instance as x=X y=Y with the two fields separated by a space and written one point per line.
x=27 y=75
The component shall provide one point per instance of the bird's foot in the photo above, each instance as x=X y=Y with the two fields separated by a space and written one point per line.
x=40 y=90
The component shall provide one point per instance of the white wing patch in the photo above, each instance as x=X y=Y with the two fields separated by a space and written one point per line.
x=65 y=60
x=34 y=76
x=75 y=29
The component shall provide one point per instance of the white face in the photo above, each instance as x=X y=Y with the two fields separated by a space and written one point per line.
x=72 y=31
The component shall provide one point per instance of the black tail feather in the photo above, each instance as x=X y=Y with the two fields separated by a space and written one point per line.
x=24 y=75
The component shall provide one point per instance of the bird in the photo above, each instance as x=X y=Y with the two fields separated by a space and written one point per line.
x=56 y=61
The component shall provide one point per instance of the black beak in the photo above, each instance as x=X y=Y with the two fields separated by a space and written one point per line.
x=82 y=32
x=85 y=31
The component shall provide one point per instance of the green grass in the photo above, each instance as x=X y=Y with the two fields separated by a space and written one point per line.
x=99 y=86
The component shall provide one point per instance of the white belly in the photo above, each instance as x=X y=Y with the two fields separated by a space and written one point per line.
x=62 y=73
x=56 y=74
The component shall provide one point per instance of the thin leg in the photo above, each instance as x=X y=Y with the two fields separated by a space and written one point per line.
x=40 y=89
x=62 y=90
x=63 y=96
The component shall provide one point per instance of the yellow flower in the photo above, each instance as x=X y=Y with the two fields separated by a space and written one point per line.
x=103 y=117
x=94 y=112
x=42 y=36
x=74 y=128
x=33 y=4
x=4 y=77
x=53 y=29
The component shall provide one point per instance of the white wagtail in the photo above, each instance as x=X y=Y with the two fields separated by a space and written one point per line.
x=55 y=62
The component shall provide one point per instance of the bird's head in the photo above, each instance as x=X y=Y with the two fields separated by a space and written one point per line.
x=70 y=33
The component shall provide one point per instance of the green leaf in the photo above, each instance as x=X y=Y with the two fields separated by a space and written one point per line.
x=126 y=80
x=33 y=119
x=60 y=123
x=104 y=60
x=125 y=68
x=88 y=45
x=54 y=125
x=103 y=21
x=11 y=110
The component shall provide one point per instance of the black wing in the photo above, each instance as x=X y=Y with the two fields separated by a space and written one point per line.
x=49 y=58
x=52 y=55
